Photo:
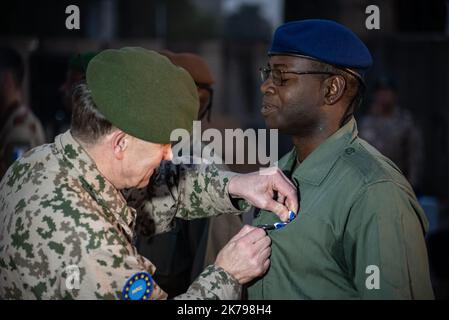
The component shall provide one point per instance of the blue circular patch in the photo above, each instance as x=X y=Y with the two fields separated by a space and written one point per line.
x=138 y=287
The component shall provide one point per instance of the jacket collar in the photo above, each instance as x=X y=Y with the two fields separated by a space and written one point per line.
x=98 y=187
x=319 y=163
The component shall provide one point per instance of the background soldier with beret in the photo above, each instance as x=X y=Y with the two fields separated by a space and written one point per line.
x=76 y=72
x=360 y=230
x=61 y=205
x=20 y=129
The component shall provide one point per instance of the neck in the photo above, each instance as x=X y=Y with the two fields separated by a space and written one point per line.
x=305 y=145
x=98 y=155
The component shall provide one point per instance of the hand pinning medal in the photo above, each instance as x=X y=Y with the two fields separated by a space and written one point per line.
x=278 y=225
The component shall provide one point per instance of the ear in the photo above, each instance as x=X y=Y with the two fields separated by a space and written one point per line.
x=119 y=142
x=334 y=88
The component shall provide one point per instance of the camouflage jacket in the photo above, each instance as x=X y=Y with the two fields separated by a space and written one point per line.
x=57 y=212
x=20 y=131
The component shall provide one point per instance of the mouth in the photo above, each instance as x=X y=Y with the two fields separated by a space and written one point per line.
x=268 y=109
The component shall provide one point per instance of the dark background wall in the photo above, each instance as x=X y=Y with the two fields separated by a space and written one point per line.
x=412 y=45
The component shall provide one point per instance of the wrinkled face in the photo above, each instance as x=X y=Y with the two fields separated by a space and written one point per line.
x=140 y=161
x=294 y=106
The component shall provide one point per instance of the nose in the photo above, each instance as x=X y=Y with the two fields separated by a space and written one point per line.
x=267 y=87
x=168 y=154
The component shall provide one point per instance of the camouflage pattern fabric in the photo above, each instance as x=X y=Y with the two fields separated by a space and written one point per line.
x=20 y=131
x=179 y=190
x=57 y=211
x=179 y=253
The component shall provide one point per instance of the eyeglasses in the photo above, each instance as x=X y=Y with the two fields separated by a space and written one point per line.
x=277 y=75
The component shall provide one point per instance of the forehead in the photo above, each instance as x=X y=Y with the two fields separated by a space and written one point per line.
x=279 y=61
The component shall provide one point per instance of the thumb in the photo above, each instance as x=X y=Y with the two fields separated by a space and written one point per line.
x=277 y=208
x=292 y=204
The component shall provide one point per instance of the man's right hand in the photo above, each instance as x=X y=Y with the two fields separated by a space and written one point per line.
x=246 y=255
x=259 y=188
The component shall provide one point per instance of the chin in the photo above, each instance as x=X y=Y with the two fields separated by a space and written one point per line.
x=271 y=123
x=143 y=184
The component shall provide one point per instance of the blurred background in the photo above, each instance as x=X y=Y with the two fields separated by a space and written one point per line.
x=405 y=112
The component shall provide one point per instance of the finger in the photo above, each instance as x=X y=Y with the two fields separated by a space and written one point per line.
x=279 y=209
x=266 y=265
x=265 y=253
x=243 y=232
x=291 y=200
x=282 y=177
x=287 y=189
x=262 y=243
x=253 y=236
x=281 y=198
x=292 y=205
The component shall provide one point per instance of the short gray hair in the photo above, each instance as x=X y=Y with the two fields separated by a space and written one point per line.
x=88 y=124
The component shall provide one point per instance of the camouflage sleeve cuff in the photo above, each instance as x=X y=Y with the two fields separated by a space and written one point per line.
x=237 y=205
x=213 y=283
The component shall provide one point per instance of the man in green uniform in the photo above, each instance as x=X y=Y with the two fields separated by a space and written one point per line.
x=359 y=233
x=66 y=230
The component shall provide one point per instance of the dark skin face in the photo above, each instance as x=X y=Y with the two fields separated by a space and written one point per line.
x=307 y=107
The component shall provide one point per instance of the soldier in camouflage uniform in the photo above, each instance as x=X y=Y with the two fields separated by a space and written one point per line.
x=20 y=129
x=61 y=208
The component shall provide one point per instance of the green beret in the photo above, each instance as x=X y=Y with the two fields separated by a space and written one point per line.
x=142 y=93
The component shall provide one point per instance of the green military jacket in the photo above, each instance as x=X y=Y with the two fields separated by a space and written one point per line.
x=359 y=233
x=57 y=213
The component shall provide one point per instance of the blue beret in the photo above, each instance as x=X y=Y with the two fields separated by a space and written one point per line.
x=322 y=40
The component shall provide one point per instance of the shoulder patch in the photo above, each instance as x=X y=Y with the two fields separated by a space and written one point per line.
x=138 y=287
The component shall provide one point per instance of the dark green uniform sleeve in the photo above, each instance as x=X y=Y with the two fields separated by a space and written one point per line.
x=385 y=236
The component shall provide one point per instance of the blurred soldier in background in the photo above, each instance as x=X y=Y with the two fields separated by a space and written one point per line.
x=20 y=129
x=392 y=131
x=76 y=72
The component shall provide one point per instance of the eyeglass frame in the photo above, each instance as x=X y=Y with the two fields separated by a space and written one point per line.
x=263 y=71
